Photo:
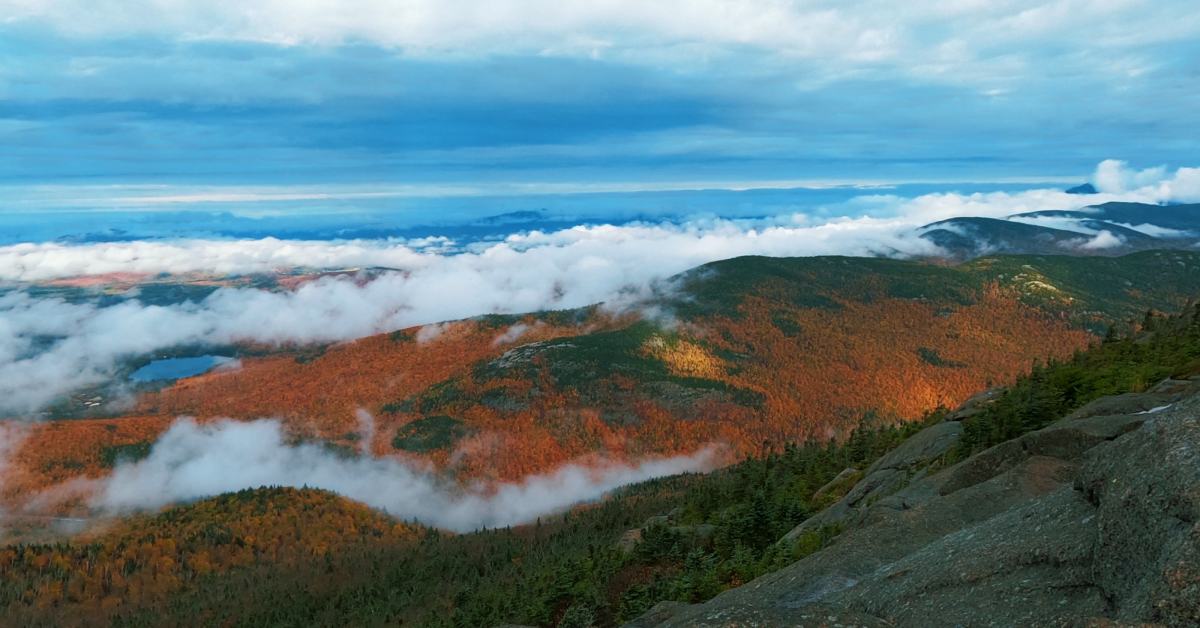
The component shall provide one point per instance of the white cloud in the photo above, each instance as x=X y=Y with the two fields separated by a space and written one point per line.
x=454 y=26
x=431 y=332
x=512 y=334
x=1155 y=184
x=1103 y=240
x=1057 y=222
x=192 y=461
x=982 y=41
x=1113 y=175
x=1156 y=231
x=48 y=260
x=366 y=431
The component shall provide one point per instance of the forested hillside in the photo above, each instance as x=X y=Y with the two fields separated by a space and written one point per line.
x=286 y=557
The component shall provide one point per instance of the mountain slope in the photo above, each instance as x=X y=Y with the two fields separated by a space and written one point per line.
x=1108 y=229
x=1183 y=217
x=971 y=237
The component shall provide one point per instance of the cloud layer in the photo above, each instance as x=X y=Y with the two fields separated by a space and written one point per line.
x=943 y=35
x=451 y=92
x=192 y=461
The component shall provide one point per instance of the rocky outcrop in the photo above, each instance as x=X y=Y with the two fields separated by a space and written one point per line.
x=1093 y=520
x=897 y=469
x=838 y=483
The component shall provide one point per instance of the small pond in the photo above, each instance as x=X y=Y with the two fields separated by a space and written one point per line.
x=177 y=368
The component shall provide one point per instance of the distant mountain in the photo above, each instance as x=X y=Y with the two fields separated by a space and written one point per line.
x=1181 y=217
x=1086 y=188
x=972 y=237
x=514 y=218
x=1109 y=229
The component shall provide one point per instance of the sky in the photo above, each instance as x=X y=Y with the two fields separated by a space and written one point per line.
x=223 y=101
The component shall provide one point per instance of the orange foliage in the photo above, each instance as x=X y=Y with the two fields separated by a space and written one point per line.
x=143 y=560
x=53 y=452
x=867 y=357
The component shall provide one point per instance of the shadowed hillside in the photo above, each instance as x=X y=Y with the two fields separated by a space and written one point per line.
x=1108 y=229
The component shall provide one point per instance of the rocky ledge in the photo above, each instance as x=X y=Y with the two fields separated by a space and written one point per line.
x=1091 y=521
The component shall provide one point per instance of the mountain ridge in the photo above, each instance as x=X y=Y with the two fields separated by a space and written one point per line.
x=1110 y=229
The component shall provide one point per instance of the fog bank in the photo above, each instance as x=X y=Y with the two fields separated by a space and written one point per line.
x=192 y=461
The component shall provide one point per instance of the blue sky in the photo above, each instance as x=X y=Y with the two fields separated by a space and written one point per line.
x=368 y=93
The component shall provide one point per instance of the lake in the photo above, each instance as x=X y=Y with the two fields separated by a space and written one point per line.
x=177 y=368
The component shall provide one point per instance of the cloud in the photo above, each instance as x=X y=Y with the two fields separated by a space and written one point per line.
x=1156 y=231
x=366 y=431
x=1157 y=184
x=48 y=260
x=549 y=27
x=431 y=332
x=1103 y=240
x=865 y=33
x=1063 y=223
x=513 y=333
x=1114 y=176
x=49 y=346
x=255 y=92
x=191 y=461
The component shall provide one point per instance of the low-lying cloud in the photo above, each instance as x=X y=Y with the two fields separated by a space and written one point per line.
x=1103 y=240
x=192 y=461
x=49 y=346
